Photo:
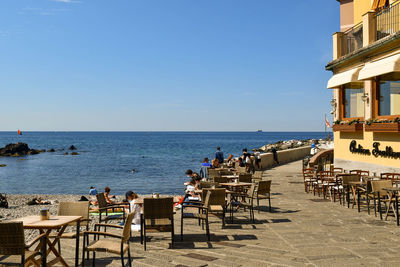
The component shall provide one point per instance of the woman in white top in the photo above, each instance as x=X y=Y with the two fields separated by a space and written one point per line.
x=133 y=207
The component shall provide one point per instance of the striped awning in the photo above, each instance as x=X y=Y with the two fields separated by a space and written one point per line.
x=378 y=4
x=344 y=77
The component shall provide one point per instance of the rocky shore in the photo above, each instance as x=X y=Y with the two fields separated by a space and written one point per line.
x=289 y=144
x=22 y=149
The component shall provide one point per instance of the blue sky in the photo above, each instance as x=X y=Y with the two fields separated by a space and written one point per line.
x=185 y=65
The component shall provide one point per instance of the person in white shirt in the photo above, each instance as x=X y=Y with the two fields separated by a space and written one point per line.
x=133 y=207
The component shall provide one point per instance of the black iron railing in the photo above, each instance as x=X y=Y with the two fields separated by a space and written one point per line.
x=352 y=39
x=387 y=21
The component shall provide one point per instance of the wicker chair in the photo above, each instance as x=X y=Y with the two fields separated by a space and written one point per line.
x=119 y=247
x=245 y=178
x=381 y=195
x=220 y=179
x=346 y=179
x=213 y=173
x=12 y=245
x=201 y=215
x=80 y=208
x=245 y=204
x=241 y=170
x=217 y=202
x=158 y=216
x=263 y=192
x=105 y=207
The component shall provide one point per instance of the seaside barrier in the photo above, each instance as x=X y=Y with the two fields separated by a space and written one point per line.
x=284 y=156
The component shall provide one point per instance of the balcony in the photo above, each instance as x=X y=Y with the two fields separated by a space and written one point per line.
x=376 y=27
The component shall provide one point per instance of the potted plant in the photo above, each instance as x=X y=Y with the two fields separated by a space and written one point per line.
x=348 y=126
x=383 y=126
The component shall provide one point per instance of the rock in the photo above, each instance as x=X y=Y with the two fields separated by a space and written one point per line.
x=33 y=152
x=15 y=155
x=72 y=147
x=66 y=153
x=74 y=153
x=3 y=165
x=42 y=150
x=51 y=150
x=11 y=149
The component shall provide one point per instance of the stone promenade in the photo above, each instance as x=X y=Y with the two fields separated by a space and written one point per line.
x=301 y=230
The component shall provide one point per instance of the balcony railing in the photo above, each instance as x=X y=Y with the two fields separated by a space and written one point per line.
x=387 y=21
x=352 y=39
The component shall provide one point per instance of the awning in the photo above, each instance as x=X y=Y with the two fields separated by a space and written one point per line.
x=345 y=77
x=380 y=67
x=378 y=4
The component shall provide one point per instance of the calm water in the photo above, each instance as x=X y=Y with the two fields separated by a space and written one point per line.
x=107 y=158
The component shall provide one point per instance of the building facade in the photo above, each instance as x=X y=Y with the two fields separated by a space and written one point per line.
x=366 y=86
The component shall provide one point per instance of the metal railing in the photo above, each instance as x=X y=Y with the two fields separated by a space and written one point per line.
x=352 y=39
x=387 y=21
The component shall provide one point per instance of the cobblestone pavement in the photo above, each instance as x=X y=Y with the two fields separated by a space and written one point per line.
x=298 y=232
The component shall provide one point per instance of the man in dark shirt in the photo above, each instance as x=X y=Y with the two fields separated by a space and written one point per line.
x=219 y=155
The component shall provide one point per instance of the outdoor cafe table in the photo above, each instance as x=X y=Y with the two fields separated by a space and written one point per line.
x=236 y=184
x=393 y=191
x=46 y=226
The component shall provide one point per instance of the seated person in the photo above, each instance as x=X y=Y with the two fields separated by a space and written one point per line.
x=215 y=163
x=192 y=175
x=109 y=198
x=133 y=207
x=206 y=163
x=190 y=194
x=92 y=195
x=241 y=162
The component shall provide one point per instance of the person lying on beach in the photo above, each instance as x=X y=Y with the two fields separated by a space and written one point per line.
x=109 y=198
x=38 y=201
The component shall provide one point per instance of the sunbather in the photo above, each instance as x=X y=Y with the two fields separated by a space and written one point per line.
x=109 y=198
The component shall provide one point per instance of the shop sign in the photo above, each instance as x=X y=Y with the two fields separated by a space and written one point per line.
x=376 y=151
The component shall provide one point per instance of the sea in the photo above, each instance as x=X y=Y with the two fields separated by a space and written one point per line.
x=159 y=159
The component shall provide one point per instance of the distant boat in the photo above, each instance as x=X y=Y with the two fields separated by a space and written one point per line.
x=259 y=131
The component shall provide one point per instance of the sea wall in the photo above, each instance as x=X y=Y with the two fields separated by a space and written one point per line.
x=285 y=156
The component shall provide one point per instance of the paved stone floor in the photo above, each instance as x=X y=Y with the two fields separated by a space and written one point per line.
x=299 y=232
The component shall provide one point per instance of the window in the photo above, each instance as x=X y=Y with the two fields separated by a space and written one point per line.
x=353 y=106
x=389 y=98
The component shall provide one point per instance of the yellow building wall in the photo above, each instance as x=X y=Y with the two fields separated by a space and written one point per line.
x=366 y=139
x=360 y=8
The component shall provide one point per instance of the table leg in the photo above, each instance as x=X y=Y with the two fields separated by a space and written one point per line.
x=379 y=205
x=53 y=249
x=348 y=196
x=389 y=205
x=358 y=199
x=78 y=226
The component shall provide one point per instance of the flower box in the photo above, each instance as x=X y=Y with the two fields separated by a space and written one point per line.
x=348 y=128
x=385 y=127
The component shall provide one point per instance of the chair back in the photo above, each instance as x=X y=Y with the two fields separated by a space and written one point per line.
x=220 y=179
x=347 y=178
x=394 y=177
x=126 y=232
x=337 y=170
x=264 y=187
x=212 y=173
x=206 y=201
x=101 y=200
x=377 y=186
x=245 y=178
x=360 y=172
x=207 y=184
x=80 y=208
x=217 y=196
x=12 y=239
x=158 y=208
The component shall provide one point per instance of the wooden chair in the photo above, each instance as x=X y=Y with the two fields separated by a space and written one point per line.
x=158 y=216
x=201 y=215
x=105 y=207
x=216 y=202
x=80 y=208
x=14 y=251
x=263 y=191
x=360 y=172
x=394 y=177
x=120 y=245
x=247 y=203
x=245 y=178
x=336 y=171
x=380 y=194
x=308 y=179
x=346 y=179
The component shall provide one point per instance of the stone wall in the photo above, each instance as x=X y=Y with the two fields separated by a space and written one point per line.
x=285 y=156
